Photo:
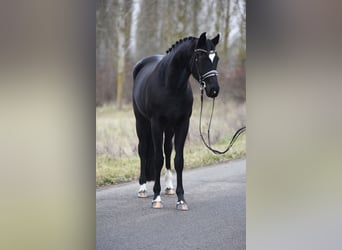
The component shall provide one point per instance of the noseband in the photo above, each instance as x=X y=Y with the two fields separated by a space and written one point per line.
x=211 y=73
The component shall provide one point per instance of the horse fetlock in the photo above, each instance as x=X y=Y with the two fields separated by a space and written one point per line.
x=168 y=179
x=142 y=193
x=169 y=190
x=182 y=205
x=157 y=203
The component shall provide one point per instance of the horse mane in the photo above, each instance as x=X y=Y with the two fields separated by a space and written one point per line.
x=181 y=41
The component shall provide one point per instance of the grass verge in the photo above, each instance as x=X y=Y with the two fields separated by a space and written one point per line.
x=117 y=170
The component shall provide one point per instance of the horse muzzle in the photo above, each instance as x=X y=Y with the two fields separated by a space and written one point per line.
x=212 y=92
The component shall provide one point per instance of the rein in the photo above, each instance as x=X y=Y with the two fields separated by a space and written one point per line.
x=201 y=79
x=207 y=144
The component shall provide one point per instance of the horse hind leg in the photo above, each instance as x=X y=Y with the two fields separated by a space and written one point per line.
x=147 y=171
x=145 y=149
x=169 y=190
x=143 y=154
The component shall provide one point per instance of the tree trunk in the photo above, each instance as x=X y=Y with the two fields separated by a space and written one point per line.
x=120 y=78
x=226 y=28
x=120 y=81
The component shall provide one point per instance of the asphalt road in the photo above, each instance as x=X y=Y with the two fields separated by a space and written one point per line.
x=216 y=218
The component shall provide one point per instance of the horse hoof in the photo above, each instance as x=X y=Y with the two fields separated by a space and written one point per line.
x=169 y=191
x=157 y=204
x=182 y=206
x=142 y=194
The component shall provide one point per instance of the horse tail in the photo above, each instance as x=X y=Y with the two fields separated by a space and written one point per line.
x=150 y=169
x=137 y=68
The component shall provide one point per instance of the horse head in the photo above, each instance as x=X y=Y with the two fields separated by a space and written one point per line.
x=204 y=64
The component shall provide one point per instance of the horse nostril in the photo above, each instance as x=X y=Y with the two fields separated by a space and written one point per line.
x=214 y=92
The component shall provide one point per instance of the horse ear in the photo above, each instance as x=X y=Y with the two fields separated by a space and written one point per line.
x=202 y=40
x=216 y=39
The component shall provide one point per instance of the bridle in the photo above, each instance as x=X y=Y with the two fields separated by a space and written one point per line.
x=201 y=80
x=210 y=73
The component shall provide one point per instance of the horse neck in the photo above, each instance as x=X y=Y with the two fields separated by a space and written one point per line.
x=178 y=72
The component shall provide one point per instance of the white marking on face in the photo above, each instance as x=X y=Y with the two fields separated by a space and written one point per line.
x=212 y=56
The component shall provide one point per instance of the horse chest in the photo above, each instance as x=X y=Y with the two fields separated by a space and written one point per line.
x=174 y=108
x=172 y=113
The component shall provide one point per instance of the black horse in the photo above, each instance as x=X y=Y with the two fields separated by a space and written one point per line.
x=162 y=102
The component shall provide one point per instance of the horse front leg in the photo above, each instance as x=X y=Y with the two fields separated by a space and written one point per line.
x=157 y=136
x=180 y=136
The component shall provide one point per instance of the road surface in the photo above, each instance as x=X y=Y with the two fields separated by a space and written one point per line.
x=216 y=219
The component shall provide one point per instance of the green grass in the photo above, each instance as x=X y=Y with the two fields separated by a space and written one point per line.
x=112 y=171
x=200 y=156
x=116 y=142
